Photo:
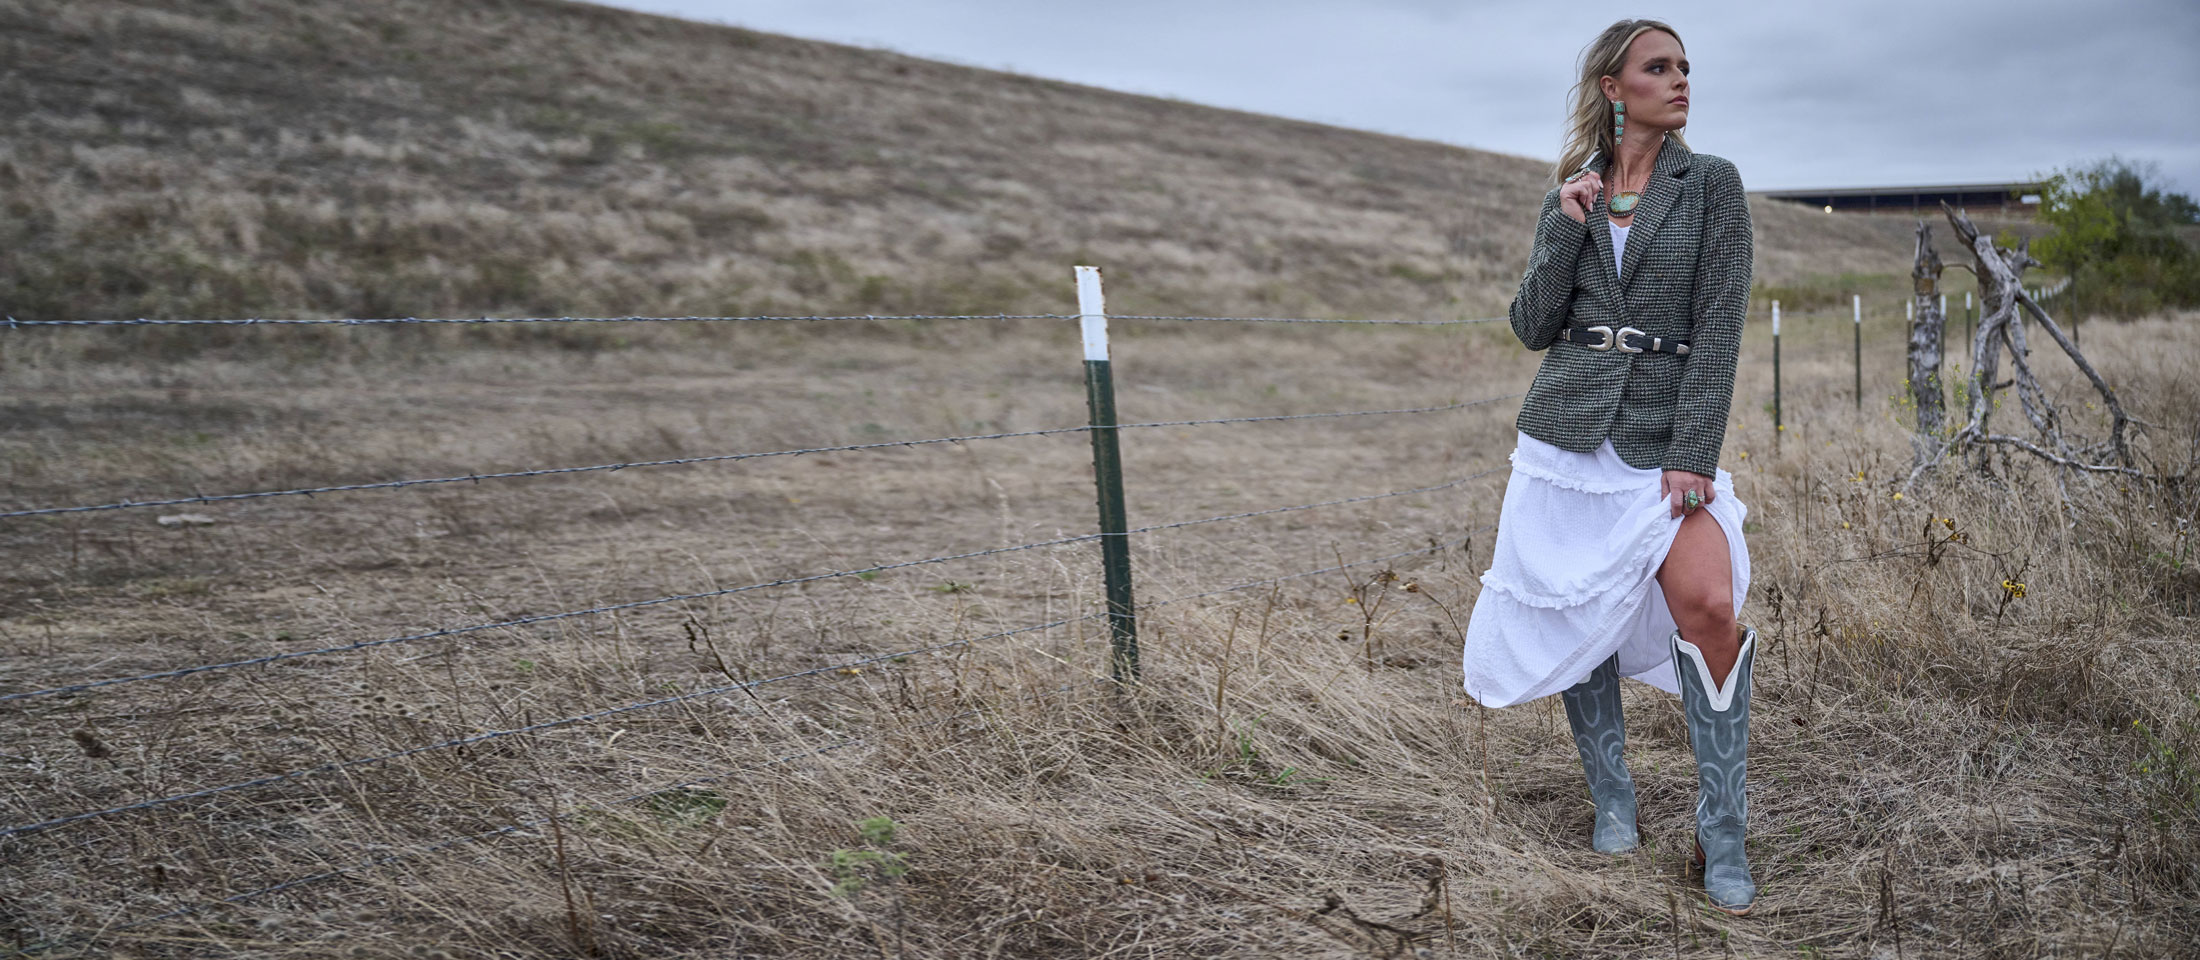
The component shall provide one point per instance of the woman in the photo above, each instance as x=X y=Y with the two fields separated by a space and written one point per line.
x=1636 y=286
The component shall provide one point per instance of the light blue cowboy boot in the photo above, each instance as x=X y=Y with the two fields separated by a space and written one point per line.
x=1592 y=707
x=1718 y=727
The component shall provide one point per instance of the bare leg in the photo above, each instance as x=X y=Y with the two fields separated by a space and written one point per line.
x=1698 y=580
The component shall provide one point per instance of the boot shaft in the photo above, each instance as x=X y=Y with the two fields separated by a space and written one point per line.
x=1718 y=727
x=1599 y=728
x=1600 y=735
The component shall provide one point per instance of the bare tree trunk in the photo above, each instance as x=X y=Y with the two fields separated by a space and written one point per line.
x=1925 y=334
x=2003 y=304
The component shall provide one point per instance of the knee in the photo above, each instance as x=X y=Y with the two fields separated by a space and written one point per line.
x=1703 y=606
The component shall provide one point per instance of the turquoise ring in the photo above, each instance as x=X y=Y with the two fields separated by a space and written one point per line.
x=1691 y=500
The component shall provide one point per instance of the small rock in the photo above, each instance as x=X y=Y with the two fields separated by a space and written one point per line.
x=186 y=520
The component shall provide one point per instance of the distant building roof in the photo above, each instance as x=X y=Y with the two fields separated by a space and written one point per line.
x=2020 y=197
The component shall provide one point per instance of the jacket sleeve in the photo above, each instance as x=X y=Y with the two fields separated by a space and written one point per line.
x=1547 y=289
x=1720 y=302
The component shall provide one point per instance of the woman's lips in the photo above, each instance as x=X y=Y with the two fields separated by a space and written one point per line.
x=1683 y=101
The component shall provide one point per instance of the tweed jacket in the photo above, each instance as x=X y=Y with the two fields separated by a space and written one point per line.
x=1686 y=277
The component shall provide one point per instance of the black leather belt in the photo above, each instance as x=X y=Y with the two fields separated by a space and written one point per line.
x=1623 y=339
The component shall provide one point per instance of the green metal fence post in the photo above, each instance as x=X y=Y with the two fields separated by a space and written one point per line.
x=1107 y=474
x=1856 y=301
x=1776 y=428
x=1967 y=323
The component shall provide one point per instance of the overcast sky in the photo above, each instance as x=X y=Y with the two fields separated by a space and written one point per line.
x=1827 y=94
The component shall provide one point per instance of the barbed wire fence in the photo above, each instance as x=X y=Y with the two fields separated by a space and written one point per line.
x=2057 y=289
x=1121 y=611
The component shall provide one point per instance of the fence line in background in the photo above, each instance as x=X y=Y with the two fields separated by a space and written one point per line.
x=1114 y=533
x=731 y=688
x=333 y=766
x=675 y=598
x=1909 y=313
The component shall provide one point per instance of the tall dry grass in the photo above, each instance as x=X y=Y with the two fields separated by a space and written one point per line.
x=1940 y=767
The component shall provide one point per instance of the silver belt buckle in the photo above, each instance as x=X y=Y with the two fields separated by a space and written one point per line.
x=1619 y=339
x=1605 y=329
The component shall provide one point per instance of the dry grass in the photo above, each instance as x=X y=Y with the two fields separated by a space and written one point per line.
x=251 y=157
x=1940 y=768
x=1938 y=771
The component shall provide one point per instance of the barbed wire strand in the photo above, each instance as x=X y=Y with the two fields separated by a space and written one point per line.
x=14 y=324
x=379 y=861
x=658 y=601
x=518 y=827
x=716 y=458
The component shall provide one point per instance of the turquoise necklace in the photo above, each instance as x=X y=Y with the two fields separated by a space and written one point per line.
x=1622 y=203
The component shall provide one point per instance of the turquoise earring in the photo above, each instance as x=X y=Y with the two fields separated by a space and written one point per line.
x=1622 y=203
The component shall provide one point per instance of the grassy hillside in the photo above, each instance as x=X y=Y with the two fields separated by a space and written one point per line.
x=232 y=157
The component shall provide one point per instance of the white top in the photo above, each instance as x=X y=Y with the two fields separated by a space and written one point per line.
x=1619 y=248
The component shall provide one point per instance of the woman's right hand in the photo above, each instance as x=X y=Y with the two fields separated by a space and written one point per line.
x=1575 y=197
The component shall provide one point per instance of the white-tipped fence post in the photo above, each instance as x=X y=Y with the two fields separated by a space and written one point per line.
x=1107 y=474
x=1856 y=303
x=1944 y=329
x=1967 y=322
x=1776 y=428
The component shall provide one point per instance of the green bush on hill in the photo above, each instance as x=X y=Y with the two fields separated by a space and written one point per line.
x=2118 y=239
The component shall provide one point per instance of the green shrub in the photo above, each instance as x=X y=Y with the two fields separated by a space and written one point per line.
x=2118 y=239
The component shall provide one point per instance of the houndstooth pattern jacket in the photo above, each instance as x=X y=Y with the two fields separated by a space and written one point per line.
x=1687 y=277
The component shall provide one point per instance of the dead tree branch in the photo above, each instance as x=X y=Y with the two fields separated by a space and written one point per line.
x=2004 y=306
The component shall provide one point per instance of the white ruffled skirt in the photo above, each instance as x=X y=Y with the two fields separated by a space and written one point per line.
x=1573 y=578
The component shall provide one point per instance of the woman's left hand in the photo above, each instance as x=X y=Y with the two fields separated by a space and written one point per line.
x=1676 y=485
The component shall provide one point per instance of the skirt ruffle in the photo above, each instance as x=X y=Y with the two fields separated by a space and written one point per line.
x=1573 y=575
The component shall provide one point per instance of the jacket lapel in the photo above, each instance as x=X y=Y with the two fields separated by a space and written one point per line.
x=1658 y=198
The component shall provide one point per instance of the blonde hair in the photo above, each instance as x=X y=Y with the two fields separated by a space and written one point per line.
x=1589 y=123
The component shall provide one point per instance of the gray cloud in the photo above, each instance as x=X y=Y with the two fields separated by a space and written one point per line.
x=1797 y=95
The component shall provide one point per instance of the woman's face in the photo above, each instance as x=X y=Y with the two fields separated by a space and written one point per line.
x=1653 y=84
